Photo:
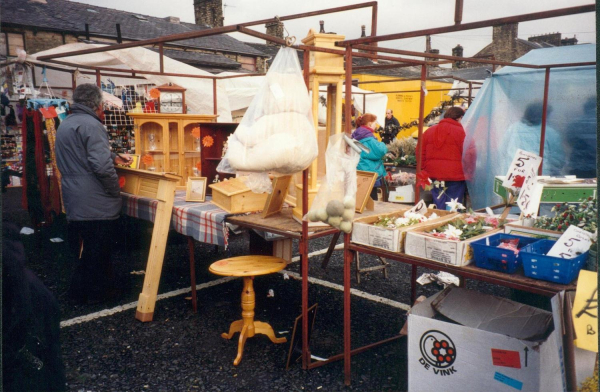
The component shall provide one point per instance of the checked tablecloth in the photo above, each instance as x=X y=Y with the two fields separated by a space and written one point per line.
x=205 y=222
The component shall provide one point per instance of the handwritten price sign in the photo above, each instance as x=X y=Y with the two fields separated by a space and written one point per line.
x=522 y=164
x=585 y=311
x=572 y=243
x=530 y=194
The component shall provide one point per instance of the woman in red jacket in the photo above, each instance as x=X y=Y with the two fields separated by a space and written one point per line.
x=441 y=157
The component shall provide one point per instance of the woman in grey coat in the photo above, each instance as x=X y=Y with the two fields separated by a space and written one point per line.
x=90 y=190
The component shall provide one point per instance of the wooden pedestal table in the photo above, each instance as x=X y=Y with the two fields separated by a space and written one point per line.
x=159 y=186
x=248 y=267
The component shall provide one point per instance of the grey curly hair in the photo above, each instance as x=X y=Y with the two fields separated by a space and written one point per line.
x=88 y=95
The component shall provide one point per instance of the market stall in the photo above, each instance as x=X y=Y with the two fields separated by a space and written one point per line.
x=445 y=245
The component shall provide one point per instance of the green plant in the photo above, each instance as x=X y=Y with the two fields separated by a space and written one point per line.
x=583 y=215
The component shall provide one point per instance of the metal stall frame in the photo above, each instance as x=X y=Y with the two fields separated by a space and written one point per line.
x=369 y=44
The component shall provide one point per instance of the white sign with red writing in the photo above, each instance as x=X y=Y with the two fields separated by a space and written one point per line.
x=530 y=194
x=572 y=243
x=521 y=165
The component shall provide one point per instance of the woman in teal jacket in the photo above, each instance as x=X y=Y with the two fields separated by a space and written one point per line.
x=373 y=160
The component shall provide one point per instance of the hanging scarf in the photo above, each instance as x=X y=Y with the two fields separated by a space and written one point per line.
x=56 y=177
x=37 y=196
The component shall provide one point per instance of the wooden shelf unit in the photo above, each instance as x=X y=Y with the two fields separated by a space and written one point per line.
x=174 y=148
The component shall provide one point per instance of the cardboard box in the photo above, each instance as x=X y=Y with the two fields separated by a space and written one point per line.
x=402 y=194
x=365 y=233
x=518 y=228
x=439 y=249
x=485 y=343
x=235 y=197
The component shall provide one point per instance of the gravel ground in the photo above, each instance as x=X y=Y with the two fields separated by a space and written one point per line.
x=183 y=351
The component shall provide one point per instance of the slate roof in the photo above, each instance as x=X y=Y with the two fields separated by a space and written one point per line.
x=204 y=59
x=69 y=16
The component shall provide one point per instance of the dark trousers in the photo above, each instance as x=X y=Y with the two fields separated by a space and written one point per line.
x=454 y=190
x=94 y=274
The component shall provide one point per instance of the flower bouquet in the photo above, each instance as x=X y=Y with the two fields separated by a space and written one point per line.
x=467 y=227
x=449 y=242
x=388 y=231
x=401 y=152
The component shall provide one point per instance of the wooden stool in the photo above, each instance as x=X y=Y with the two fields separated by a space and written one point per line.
x=248 y=267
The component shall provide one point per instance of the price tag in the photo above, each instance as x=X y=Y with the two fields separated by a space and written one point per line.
x=530 y=194
x=420 y=208
x=521 y=165
x=572 y=243
x=585 y=311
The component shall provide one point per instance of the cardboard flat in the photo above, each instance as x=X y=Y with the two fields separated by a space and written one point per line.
x=493 y=314
x=450 y=357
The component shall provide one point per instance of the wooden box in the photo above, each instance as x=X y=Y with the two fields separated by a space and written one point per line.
x=297 y=211
x=235 y=197
x=365 y=233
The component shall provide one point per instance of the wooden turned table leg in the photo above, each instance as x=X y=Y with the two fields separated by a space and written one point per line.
x=247 y=326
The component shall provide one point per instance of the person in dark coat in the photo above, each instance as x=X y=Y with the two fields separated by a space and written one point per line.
x=371 y=161
x=391 y=127
x=441 y=157
x=31 y=356
x=90 y=189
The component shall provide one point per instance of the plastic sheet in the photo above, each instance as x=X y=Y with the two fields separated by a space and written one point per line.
x=335 y=201
x=507 y=115
x=277 y=133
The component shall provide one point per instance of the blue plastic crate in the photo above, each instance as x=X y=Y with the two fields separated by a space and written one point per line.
x=497 y=259
x=553 y=269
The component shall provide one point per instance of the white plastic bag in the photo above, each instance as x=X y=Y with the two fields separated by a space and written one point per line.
x=277 y=133
x=335 y=201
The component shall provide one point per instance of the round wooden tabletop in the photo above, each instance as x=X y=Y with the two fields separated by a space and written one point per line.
x=247 y=266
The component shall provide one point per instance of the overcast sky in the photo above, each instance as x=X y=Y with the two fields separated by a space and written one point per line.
x=394 y=16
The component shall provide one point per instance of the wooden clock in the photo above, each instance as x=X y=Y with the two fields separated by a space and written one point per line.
x=171 y=99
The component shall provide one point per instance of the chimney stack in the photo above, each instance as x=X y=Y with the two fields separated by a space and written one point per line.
x=457 y=51
x=276 y=30
x=209 y=12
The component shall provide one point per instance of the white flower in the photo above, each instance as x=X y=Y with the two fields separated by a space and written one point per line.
x=452 y=232
x=455 y=205
x=403 y=159
x=433 y=216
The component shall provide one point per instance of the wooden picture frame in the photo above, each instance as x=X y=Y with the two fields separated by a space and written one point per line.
x=196 y=189
x=365 y=181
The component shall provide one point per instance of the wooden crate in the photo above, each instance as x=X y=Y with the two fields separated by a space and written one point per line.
x=235 y=197
x=365 y=233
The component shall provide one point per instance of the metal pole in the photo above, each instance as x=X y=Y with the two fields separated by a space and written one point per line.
x=544 y=113
x=474 y=25
x=161 y=58
x=470 y=94
x=303 y=245
x=347 y=260
x=458 y=11
x=348 y=257
x=421 y=112
x=98 y=78
x=215 y=96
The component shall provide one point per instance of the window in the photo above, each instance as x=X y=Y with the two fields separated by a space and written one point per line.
x=15 y=41
x=248 y=63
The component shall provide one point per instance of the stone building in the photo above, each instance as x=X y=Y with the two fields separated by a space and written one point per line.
x=507 y=46
x=38 y=25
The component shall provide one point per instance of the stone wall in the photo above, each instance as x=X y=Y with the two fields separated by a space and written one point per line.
x=41 y=40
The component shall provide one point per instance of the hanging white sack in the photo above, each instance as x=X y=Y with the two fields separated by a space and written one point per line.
x=276 y=134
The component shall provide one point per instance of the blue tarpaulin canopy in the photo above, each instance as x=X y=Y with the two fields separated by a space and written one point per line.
x=507 y=115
